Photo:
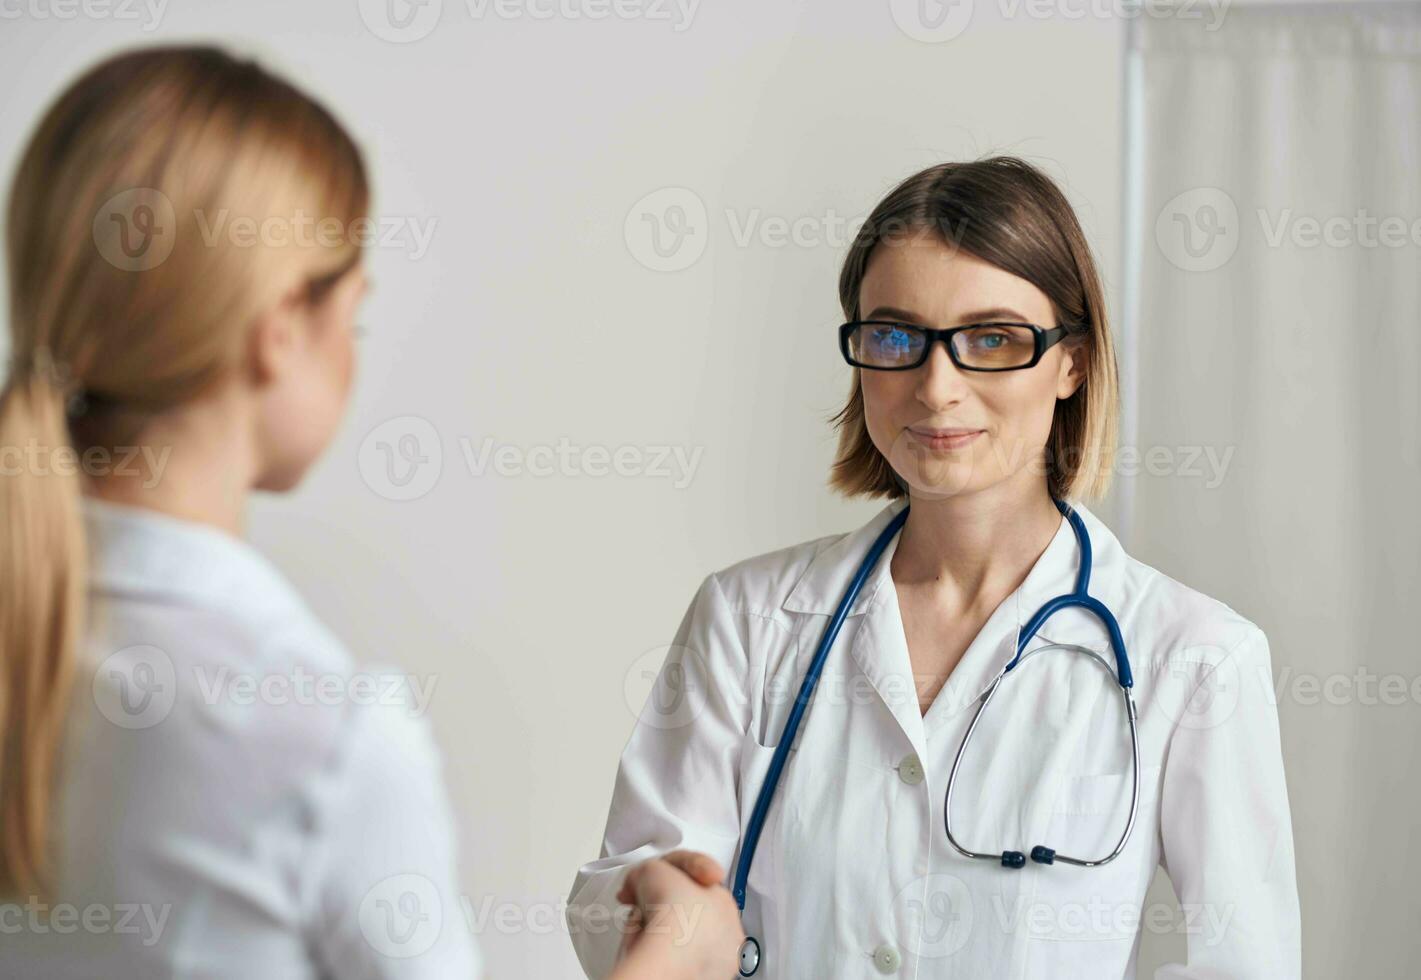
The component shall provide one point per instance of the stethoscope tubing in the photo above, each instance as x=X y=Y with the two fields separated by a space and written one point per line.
x=801 y=704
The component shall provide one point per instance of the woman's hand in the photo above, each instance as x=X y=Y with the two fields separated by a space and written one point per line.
x=684 y=922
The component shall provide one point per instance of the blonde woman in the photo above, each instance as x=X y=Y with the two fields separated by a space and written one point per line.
x=190 y=783
x=1118 y=720
x=172 y=805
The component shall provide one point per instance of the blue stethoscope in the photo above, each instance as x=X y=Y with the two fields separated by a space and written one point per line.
x=750 y=951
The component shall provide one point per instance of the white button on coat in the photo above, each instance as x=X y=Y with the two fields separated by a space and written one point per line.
x=910 y=770
x=887 y=960
x=850 y=864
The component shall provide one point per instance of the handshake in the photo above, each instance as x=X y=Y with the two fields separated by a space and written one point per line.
x=684 y=923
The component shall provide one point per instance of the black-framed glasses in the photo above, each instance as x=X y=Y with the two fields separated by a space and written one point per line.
x=890 y=345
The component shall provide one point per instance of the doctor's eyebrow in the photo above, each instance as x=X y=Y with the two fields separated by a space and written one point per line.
x=976 y=316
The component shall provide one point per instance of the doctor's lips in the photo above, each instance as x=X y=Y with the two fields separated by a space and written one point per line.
x=944 y=438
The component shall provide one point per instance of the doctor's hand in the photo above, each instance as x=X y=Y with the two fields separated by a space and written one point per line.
x=684 y=922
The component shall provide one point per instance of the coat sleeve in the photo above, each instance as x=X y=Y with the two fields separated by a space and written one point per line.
x=676 y=783
x=1226 y=831
x=382 y=888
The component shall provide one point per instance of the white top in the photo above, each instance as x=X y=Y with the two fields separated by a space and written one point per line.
x=235 y=798
x=854 y=875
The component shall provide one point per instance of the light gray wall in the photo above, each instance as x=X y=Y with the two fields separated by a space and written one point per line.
x=536 y=316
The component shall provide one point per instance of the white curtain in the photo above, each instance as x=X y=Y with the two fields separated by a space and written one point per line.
x=1271 y=354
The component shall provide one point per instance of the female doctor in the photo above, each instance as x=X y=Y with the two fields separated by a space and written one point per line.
x=1126 y=731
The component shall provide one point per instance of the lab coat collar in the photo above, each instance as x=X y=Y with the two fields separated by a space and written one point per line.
x=137 y=551
x=880 y=647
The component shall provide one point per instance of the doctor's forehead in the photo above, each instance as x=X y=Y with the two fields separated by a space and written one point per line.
x=921 y=279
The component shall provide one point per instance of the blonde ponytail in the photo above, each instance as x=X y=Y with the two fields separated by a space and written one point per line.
x=41 y=610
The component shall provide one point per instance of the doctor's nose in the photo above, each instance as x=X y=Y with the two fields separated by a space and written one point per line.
x=941 y=383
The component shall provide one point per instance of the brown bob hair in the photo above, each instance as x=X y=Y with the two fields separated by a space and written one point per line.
x=1010 y=214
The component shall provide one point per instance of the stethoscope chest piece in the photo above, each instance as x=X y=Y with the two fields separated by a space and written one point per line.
x=749 y=957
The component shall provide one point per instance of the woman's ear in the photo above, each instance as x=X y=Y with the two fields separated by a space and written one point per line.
x=1072 y=371
x=274 y=337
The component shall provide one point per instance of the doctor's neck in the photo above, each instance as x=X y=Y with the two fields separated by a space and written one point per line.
x=983 y=542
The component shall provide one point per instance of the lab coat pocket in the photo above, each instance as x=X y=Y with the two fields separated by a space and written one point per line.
x=784 y=675
x=1082 y=922
x=1089 y=814
x=1093 y=794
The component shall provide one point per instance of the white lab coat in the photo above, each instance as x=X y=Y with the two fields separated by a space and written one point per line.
x=854 y=876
